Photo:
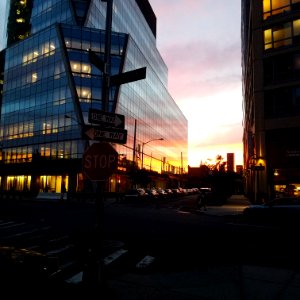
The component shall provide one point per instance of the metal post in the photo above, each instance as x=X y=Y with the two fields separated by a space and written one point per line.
x=99 y=275
x=107 y=67
x=134 y=143
x=142 y=155
x=94 y=273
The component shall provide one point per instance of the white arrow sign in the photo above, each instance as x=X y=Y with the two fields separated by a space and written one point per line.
x=106 y=118
x=113 y=135
x=113 y=120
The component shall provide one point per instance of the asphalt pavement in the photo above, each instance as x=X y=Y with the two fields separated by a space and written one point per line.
x=212 y=282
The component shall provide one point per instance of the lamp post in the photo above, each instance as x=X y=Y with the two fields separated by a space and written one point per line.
x=143 y=144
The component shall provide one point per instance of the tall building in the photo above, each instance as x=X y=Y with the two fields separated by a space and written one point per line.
x=230 y=162
x=271 y=88
x=50 y=87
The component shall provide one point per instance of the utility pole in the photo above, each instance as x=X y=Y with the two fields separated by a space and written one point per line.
x=107 y=66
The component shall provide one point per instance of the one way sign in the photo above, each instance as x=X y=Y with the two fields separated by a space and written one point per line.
x=112 y=135
x=100 y=117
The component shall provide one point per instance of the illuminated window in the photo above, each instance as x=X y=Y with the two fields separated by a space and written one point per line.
x=84 y=94
x=84 y=69
x=34 y=77
x=48 y=48
x=20 y=20
x=45 y=151
x=278 y=36
x=282 y=35
x=268 y=38
x=46 y=128
x=274 y=7
x=296 y=27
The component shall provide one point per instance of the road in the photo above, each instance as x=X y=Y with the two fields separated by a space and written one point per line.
x=181 y=236
x=142 y=238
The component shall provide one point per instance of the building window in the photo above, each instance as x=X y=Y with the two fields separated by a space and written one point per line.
x=82 y=68
x=296 y=27
x=46 y=128
x=282 y=35
x=282 y=68
x=275 y=7
x=283 y=102
x=34 y=77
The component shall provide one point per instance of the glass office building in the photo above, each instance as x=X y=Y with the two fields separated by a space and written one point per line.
x=50 y=86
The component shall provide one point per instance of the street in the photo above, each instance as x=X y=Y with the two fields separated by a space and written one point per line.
x=143 y=239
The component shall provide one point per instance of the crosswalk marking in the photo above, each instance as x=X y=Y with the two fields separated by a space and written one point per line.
x=64 y=265
x=77 y=278
x=60 y=250
x=8 y=225
x=145 y=262
x=112 y=257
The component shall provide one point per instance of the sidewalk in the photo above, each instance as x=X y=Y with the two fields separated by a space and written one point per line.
x=211 y=282
x=234 y=206
x=215 y=283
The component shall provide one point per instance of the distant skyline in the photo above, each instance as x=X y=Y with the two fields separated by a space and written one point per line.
x=200 y=41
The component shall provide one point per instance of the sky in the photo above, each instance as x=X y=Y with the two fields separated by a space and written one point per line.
x=2 y=13
x=200 y=43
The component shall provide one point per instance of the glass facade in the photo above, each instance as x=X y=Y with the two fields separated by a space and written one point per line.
x=50 y=85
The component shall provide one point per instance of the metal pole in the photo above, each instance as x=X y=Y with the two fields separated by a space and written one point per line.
x=134 y=143
x=107 y=67
x=143 y=155
x=94 y=273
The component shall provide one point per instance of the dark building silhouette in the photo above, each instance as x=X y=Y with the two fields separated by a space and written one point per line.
x=271 y=87
x=230 y=162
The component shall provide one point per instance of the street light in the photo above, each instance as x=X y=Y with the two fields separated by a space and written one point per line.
x=143 y=144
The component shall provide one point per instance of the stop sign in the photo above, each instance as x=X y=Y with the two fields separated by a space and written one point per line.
x=100 y=161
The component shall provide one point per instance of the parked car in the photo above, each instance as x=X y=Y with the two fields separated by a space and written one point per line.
x=281 y=211
x=135 y=195
x=162 y=193
x=152 y=193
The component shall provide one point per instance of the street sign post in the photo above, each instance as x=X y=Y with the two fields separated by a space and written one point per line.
x=99 y=161
x=107 y=134
x=126 y=77
x=100 y=117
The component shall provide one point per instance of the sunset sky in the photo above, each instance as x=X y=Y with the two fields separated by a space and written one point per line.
x=200 y=42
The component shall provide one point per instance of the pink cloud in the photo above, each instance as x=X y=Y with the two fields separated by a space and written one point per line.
x=195 y=70
x=199 y=41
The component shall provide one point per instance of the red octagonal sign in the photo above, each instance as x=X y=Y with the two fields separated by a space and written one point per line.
x=100 y=161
